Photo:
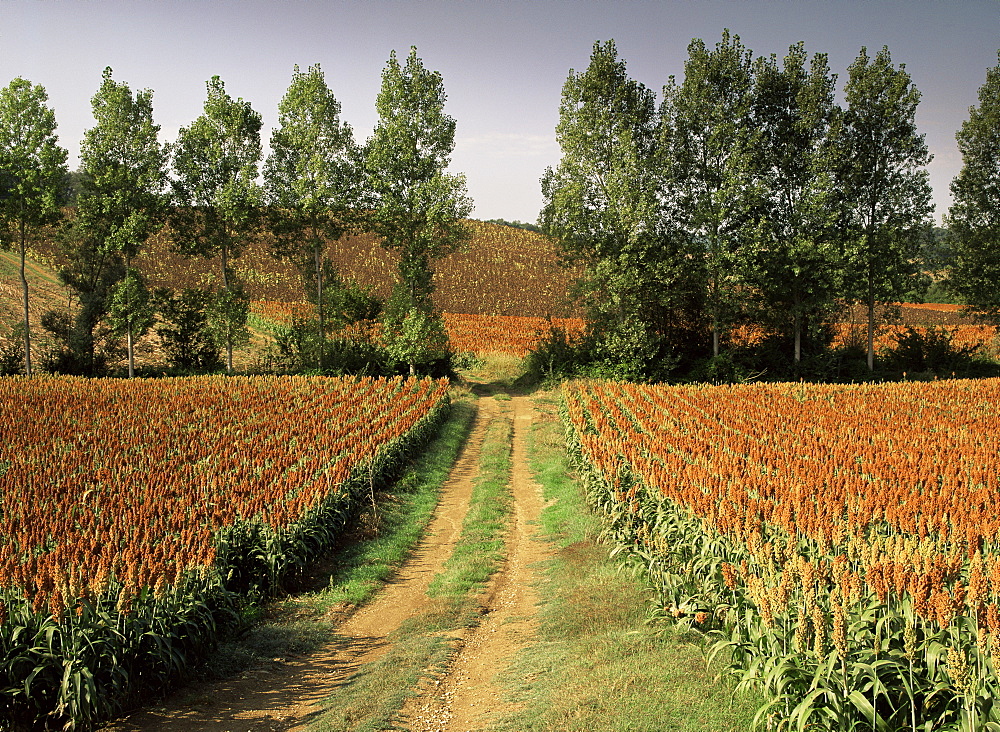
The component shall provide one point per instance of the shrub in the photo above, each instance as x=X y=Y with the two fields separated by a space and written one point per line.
x=184 y=331
x=12 y=352
x=930 y=350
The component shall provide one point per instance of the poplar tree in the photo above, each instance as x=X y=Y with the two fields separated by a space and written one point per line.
x=974 y=217
x=312 y=180
x=606 y=204
x=418 y=208
x=32 y=170
x=122 y=201
x=707 y=122
x=883 y=179
x=794 y=261
x=218 y=200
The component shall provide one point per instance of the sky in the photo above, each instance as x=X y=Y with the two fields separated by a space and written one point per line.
x=503 y=62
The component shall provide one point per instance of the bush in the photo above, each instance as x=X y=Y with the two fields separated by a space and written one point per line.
x=416 y=337
x=12 y=352
x=80 y=347
x=296 y=350
x=624 y=354
x=557 y=356
x=184 y=331
x=930 y=350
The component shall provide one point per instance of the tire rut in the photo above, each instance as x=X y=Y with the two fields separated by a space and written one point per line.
x=465 y=697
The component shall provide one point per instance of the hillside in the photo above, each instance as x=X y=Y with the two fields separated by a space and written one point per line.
x=504 y=271
x=45 y=292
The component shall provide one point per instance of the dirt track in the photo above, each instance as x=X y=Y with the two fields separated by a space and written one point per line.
x=465 y=697
x=286 y=694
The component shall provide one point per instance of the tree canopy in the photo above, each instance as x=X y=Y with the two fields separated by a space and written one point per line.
x=748 y=198
x=974 y=218
x=710 y=136
x=417 y=207
x=122 y=201
x=605 y=204
x=883 y=179
x=794 y=262
x=313 y=180
x=218 y=199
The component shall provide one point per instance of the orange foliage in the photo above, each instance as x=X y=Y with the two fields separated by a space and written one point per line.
x=512 y=335
x=886 y=335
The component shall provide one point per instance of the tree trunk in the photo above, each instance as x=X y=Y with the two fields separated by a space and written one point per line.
x=318 y=257
x=869 y=236
x=871 y=330
x=128 y=330
x=715 y=318
x=798 y=338
x=24 y=301
x=714 y=291
x=224 y=254
x=798 y=327
x=131 y=356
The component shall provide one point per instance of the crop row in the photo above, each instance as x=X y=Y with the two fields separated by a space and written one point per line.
x=840 y=542
x=887 y=335
x=510 y=334
x=135 y=515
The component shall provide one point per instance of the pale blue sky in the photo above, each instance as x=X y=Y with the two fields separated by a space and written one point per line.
x=503 y=62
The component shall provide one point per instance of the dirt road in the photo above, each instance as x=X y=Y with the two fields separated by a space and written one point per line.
x=286 y=694
x=465 y=696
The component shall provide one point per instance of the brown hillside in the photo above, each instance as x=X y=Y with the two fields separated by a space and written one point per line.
x=45 y=292
x=504 y=271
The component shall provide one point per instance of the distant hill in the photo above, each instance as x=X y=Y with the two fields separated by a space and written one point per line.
x=515 y=224
x=504 y=271
x=45 y=292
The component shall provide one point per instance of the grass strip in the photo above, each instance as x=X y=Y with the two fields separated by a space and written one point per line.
x=598 y=663
x=480 y=548
x=370 y=701
x=359 y=567
x=366 y=566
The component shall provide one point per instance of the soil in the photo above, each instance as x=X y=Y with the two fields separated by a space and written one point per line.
x=465 y=696
x=286 y=693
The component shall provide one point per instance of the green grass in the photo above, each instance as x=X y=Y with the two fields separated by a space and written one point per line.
x=45 y=292
x=10 y=265
x=493 y=373
x=598 y=663
x=372 y=698
x=480 y=548
x=368 y=565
